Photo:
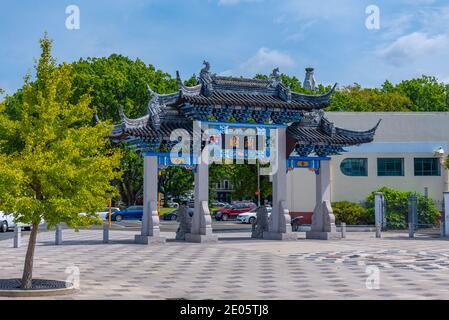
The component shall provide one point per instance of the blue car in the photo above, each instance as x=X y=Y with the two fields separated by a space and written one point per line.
x=130 y=213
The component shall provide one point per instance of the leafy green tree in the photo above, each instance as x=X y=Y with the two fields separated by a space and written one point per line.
x=54 y=162
x=356 y=98
x=131 y=184
x=175 y=182
x=425 y=93
x=118 y=80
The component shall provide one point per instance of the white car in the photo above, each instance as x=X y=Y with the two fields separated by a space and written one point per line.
x=7 y=222
x=104 y=214
x=251 y=216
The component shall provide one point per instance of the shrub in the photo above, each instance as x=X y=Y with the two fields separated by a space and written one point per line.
x=350 y=213
x=397 y=208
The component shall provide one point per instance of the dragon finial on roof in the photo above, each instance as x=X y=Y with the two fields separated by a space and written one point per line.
x=206 y=79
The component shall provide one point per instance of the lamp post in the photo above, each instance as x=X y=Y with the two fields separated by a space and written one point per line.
x=440 y=154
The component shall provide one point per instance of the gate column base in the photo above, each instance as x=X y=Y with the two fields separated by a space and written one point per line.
x=139 y=239
x=319 y=235
x=286 y=236
x=201 y=238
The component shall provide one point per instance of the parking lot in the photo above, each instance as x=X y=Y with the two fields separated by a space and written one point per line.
x=166 y=226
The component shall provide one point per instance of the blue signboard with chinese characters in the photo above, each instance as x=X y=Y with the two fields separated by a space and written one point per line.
x=240 y=140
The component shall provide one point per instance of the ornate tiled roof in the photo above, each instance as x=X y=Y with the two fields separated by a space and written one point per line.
x=222 y=98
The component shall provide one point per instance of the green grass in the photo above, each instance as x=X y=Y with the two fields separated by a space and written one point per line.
x=163 y=211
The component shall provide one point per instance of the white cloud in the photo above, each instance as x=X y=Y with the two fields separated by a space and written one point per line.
x=414 y=46
x=264 y=61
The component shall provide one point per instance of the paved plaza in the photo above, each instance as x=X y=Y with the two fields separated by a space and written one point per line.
x=240 y=268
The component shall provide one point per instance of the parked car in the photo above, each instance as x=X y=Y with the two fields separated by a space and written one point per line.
x=130 y=213
x=104 y=214
x=7 y=222
x=231 y=212
x=251 y=216
x=217 y=204
x=173 y=215
x=172 y=204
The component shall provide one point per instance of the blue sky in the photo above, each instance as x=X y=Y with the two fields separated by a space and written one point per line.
x=238 y=37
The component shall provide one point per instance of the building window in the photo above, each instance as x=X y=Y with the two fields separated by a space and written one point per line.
x=354 y=167
x=427 y=167
x=390 y=167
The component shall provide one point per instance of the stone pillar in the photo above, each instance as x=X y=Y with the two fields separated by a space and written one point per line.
x=17 y=237
x=379 y=214
x=279 y=227
x=150 y=232
x=106 y=232
x=323 y=219
x=58 y=235
x=201 y=230
x=446 y=214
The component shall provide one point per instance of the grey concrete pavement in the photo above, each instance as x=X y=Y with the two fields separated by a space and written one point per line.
x=239 y=268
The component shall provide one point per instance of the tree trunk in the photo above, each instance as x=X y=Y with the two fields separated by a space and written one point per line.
x=28 y=267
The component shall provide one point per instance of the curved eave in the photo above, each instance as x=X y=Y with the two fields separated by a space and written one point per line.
x=132 y=123
x=341 y=137
x=323 y=99
x=185 y=90
x=368 y=134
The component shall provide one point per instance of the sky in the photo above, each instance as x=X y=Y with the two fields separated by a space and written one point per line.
x=237 y=37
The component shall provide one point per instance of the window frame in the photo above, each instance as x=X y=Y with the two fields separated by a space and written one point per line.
x=365 y=174
x=435 y=161
x=385 y=172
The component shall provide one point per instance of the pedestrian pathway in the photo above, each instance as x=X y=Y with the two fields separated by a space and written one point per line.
x=240 y=268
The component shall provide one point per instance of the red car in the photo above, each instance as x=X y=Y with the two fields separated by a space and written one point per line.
x=231 y=212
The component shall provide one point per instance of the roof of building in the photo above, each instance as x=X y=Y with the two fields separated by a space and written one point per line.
x=222 y=98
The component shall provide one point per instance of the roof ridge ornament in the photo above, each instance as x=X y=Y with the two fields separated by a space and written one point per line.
x=309 y=81
x=155 y=110
x=206 y=80
x=179 y=80
x=275 y=77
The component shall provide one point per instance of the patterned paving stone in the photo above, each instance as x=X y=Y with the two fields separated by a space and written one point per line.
x=409 y=269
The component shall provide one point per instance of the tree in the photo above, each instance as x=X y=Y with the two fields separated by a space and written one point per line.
x=175 y=182
x=425 y=93
x=54 y=161
x=118 y=80
x=356 y=98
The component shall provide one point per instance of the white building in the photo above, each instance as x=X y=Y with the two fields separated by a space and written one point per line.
x=404 y=156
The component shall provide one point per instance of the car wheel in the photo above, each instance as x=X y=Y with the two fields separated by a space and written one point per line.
x=173 y=217
x=224 y=217
x=4 y=226
x=118 y=218
x=252 y=220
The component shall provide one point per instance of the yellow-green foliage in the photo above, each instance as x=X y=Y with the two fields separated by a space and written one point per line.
x=54 y=162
